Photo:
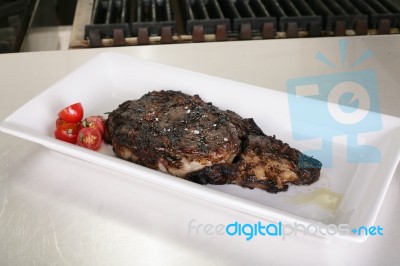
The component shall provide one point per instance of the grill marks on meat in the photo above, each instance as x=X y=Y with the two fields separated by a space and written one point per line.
x=172 y=132
x=187 y=137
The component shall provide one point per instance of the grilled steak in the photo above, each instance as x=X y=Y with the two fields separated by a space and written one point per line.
x=189 y=138
x=172 y=132
x=265 y=163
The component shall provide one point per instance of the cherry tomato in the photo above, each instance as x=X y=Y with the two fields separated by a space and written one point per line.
x=94 y=122
x=67 y=132
x=72 y=113
x=60 y=122
x=90 y=138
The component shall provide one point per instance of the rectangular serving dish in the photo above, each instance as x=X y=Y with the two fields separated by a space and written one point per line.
x=346 y=193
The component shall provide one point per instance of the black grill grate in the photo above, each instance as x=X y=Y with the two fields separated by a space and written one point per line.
x=378 y=11
x=237 y=19
x=153 y=15
x=207 y=14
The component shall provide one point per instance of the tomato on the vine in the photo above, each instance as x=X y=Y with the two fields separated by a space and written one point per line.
x=72 y=113
x=90 y=138
x=67 y=132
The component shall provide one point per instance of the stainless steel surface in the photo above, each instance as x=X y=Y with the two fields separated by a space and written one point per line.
x=57 y=210
x=82 y=17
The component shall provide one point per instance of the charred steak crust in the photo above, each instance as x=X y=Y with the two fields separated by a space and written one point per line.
x=265 y=163
x=189 y=138
x=172 y=132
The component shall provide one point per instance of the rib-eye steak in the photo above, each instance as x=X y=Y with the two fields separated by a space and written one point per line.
x=172 y=132
x=189 y=138
x=265 y=163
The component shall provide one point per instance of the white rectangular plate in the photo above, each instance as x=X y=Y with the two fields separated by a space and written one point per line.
x=345 y=194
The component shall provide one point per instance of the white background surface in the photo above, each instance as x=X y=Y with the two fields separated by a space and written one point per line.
x=57 y=210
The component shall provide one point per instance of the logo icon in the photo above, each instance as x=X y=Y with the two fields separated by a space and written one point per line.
x=344 y=103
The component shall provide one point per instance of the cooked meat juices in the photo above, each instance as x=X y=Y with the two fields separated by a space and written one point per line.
x=182 y=135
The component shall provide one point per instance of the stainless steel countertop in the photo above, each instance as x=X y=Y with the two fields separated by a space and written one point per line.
x=57 y=210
